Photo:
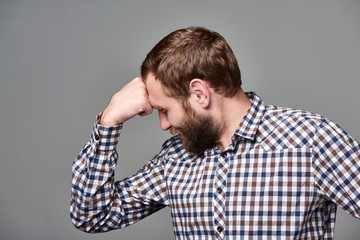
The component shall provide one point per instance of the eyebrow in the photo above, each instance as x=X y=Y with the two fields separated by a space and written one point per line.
x=158 y=108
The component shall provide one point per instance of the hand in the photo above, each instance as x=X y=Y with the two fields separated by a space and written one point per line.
x=131 y=100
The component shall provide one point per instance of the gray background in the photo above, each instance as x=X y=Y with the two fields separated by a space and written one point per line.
x=61 y=61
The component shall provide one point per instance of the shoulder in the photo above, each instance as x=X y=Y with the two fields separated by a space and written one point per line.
x=291 y=117
x=283 y=127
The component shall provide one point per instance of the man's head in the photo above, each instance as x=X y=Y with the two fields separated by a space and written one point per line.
x=184 y=73
x=190 y=53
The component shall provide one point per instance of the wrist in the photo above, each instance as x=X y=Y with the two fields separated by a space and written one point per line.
x=106 y=121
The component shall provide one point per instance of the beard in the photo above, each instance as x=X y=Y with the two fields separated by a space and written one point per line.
x=198 y=132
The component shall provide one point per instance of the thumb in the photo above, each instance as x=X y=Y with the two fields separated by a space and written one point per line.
x=147 y=109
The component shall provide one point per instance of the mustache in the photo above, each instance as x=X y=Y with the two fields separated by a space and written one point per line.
x=174 y=131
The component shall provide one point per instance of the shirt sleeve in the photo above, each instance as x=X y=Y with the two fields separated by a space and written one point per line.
x=98 y=203
x=336 y=161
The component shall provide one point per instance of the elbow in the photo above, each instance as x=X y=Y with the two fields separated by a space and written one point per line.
x=79 y=220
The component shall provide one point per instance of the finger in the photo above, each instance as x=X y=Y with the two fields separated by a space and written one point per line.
x=148 y=110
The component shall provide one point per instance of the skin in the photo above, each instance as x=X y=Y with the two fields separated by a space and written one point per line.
x=139 y=97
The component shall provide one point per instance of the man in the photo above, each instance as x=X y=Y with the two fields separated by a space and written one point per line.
x=235 y=167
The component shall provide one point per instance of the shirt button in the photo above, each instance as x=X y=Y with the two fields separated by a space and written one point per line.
x=218 y=190
x=220 y=229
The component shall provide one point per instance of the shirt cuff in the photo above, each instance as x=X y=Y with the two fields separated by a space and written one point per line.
x=105 y=138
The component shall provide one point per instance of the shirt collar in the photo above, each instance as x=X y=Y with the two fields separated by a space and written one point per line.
x=251 y=121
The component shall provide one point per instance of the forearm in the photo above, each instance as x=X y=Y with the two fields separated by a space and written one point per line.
x=92 y=200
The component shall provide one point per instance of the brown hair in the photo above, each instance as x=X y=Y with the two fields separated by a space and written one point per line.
x=189 y=53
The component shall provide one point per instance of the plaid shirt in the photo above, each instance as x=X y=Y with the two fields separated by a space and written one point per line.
x=281 y=178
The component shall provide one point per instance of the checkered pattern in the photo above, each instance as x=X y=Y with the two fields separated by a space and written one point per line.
x=281 y=178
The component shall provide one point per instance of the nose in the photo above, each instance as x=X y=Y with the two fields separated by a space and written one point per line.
x=164 y=121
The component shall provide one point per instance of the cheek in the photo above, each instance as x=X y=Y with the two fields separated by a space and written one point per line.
x=176 y=119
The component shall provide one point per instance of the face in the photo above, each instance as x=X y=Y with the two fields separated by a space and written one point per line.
x=198 y=132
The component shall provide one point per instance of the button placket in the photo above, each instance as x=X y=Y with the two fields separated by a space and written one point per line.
x=219 y=195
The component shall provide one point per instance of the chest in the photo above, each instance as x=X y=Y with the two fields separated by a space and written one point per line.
x=249 y=189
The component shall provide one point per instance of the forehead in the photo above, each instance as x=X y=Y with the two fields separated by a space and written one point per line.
x=157 y=97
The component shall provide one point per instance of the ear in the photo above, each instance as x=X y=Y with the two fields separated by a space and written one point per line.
x=199 y=89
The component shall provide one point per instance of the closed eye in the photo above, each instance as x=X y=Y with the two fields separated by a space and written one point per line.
x=163 y=110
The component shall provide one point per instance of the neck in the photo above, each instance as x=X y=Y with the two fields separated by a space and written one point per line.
x=231 y=111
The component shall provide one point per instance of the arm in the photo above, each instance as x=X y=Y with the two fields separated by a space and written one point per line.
x=336 y=161
x=98 y=203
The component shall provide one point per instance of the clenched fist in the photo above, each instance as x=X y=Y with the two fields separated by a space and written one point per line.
x=130 y=101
